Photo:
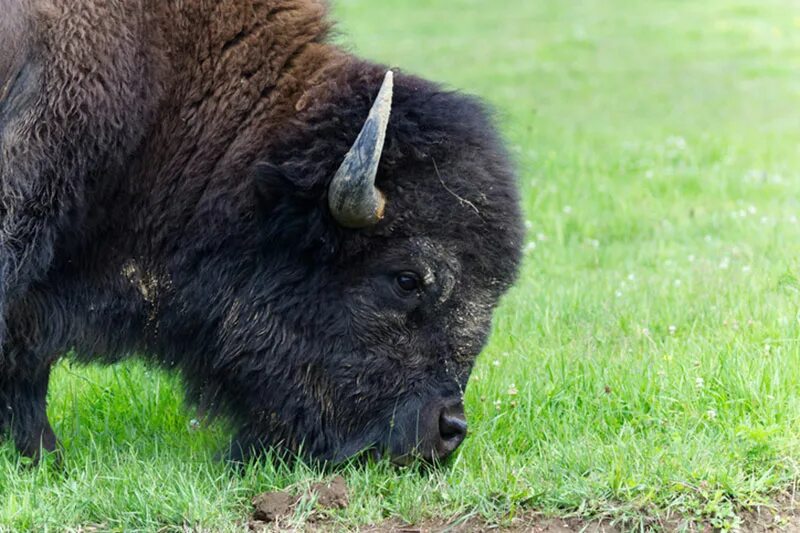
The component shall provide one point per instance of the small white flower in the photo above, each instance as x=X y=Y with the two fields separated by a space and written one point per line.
x=752 y=210
x=673 y=329
x=498 y=404
x=531 y=246
x=194 y=424
x=699 y=383
x=691 y=258
x=746 y=269
x=512 y=390
x=496 y=363
x=677 y=283
x=679 y=143
x=528 y=224
x=725 y=263
x=567 y=209
x=618 y=294
x=755 y=175
x=541 y=237
x=711 y=413
x=632 y=277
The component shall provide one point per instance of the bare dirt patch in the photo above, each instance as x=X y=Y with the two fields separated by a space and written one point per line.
x=332 y=495
x=271 y=506
x=782 y=516
x=274 y=511
x=274 y=508
x=528 y=524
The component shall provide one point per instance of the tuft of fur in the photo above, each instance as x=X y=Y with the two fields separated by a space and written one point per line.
x=164 y=169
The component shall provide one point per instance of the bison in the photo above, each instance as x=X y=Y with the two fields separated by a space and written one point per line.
x=314 y=243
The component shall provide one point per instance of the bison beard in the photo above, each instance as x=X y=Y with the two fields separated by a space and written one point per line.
x=214 y=187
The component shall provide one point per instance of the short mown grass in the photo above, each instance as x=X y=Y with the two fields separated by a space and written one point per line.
x=647 y=364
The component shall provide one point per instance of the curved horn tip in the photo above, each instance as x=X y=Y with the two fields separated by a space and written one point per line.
x=383 y=102
x=353 y=199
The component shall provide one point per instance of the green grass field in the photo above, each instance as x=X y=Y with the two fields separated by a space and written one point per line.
x=647 y=365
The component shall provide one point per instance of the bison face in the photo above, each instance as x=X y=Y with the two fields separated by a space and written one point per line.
x=416 y=322
x=376 y=283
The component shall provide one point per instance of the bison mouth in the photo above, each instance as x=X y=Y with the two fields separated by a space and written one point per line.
x=430 y=433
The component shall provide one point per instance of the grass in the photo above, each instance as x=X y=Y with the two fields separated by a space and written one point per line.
x=648 y=362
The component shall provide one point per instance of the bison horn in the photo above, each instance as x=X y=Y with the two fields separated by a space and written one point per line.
x=353 y=199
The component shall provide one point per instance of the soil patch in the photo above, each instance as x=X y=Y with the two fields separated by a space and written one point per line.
x=332 y=495
x=274 y=508
x=528 y=524
x=271 y=506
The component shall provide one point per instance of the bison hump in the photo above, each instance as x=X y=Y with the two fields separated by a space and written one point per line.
x=17 y=71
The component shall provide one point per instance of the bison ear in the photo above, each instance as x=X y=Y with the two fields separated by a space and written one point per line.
x=290 y=209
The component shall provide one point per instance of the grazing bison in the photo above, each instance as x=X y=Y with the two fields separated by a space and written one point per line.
x=315 y=245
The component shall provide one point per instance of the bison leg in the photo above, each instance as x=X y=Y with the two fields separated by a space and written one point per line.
x=24 y=413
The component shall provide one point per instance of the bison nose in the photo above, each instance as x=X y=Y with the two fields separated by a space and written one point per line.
x=452 y=429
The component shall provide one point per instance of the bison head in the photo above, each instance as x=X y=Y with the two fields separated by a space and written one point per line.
x=388 y=228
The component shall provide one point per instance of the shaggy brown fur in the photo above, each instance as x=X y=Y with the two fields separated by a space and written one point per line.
x=163 y=169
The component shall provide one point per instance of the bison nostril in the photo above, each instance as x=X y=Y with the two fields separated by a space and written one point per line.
x=440 y=429
x=453 y=424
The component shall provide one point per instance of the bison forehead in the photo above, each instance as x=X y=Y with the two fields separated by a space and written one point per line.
x=470 y=296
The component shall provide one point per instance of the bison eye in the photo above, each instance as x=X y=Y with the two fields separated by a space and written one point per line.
x=407 y=282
